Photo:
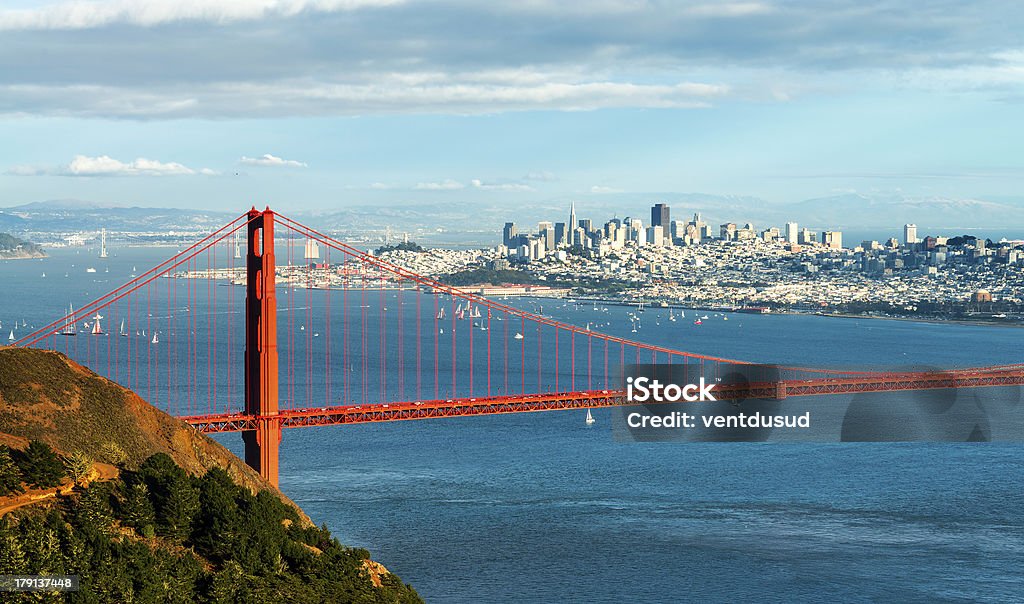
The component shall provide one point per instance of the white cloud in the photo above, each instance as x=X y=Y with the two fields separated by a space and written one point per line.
x=268 y=160
x=510 y=186
x=603 y=189
x=279 y=58
x=728 y=9
x=25 y=170
x=104 y=165
x=448 y=93
x=445 y=185
x=543 y=176
x=150 y=13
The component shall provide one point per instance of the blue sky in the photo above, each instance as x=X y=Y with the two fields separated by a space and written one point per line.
x=327 y=103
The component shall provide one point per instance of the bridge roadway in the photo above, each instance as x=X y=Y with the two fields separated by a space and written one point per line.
x=1011 y=375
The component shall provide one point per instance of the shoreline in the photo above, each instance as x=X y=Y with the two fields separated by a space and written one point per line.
x=720 y=309
x=23 y=257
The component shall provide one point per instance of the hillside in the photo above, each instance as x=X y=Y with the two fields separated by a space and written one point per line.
x=12 y=248
x=46 y=396
x=96 y=482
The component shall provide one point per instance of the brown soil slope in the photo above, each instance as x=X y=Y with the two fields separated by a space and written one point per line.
x=46 y=396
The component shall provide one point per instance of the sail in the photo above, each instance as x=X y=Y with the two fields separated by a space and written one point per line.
x=69 y=322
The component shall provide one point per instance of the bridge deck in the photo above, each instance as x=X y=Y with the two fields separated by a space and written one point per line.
x=460 y=407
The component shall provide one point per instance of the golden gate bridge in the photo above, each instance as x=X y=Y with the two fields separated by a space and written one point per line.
x=366 y=340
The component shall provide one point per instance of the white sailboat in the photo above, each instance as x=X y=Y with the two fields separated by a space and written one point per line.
x=519 y=336
x=590 y=418
x=97 y=330
x=69 y=323
x=155 y=339
x=10 y=338
x=122 y=332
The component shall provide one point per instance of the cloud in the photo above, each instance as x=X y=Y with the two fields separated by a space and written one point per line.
x=25 y=170
x=150 y=13
x=445 y=185
x=275 y=58
x=267 y=160
x=104 y=165
x=510 y=186
x=454 y=93
x=600 y=189
x=542 y=176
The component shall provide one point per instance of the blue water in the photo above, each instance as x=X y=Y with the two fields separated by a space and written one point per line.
x=540 y=507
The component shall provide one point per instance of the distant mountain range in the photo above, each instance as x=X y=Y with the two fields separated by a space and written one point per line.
x=73 y=215
x=481 y=220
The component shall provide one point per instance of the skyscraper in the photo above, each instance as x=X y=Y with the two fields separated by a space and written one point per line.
x=833 y=239
x=910 y=234
x=660 y=215
x=509 y=235
x=792 y=232
x=561 y=234
x=572 y=219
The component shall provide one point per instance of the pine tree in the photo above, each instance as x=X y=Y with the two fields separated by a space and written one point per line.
x=10 y=476
x=227 y=583
x=137 y=509
x=175 y=516
x=78 y=466
x=12 y=556
x=94 y=510
x=42 y=547
x=217 y=523
x=40 y=465
x=175 y=499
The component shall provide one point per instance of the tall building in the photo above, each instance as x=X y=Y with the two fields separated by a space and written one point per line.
x=677 y=230
x=572 y=220
x=655 y=236
x=586 y=224
x=660 y=215
x=833 y=239
x=312 y=251
x=910 y=234
x=561 y=234
x=509 y=234
x=792 y=232
x=546 y=230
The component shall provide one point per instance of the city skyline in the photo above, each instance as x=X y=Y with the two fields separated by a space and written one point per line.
x=601 y=239
x=333 y=104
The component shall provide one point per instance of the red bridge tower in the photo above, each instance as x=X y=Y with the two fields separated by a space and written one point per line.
x=261 y=389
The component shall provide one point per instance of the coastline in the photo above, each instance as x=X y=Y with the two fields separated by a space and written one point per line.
x=655 y=305
x=24 y=256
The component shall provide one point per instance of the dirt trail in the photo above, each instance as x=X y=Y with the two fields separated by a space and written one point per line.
x=101 y=472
